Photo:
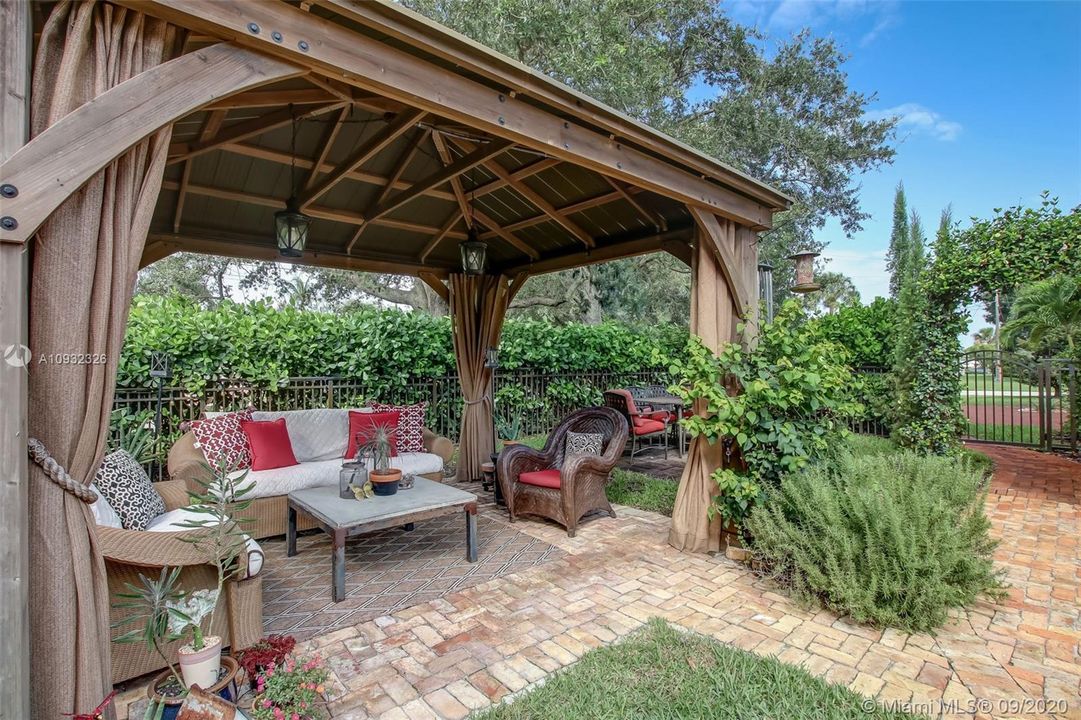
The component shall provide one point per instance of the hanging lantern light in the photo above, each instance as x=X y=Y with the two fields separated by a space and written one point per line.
x=474 y=250
x=291 y=225
x=805 y=272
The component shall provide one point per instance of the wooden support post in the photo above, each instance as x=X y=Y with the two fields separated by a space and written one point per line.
x=14 y=295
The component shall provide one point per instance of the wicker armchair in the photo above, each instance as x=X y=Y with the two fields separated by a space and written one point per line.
x=546 y=483
x=239 y=619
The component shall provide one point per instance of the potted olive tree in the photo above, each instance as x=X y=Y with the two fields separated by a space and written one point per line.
x=378 y=449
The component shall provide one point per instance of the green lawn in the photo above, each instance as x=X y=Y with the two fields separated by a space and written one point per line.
x=664 y=674
x=642 y=491
x=988 y=381
x=1028 y=434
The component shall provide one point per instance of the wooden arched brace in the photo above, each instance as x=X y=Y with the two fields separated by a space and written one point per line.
x=55 y=164
x=710 y=232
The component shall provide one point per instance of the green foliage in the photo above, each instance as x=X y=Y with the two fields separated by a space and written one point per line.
x=889 y=538
x=293 y=690
x=899 y=239
x=642 y=491
x=793 y=405
x=384 y=349
x=1048 y=314
x=865 y=331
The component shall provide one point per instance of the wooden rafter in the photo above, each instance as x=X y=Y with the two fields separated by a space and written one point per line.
x=473 y=212
x=60 y=159
x=211 y=126
x=578 y=258
x=436 y=284
x=326 y=144
x=376 y=143
x=244 y=130
x=595 y=201
x=343 y=216
x=533 y=197
x=273 y=98
x=438 y=237
x=370 y=63
x=655 y=219
x=463 y=164
x=400 y=165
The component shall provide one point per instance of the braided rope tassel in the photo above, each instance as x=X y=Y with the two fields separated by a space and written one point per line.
x=57 y=474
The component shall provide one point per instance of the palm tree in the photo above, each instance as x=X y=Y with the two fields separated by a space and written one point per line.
x=1047 y=314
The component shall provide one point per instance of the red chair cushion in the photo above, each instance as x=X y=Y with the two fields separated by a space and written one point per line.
x=269 y=443
x=661 y=415
x=645 y=426
x=361 y=424
x=541 y=478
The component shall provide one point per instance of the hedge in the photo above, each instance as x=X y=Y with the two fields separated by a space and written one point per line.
x=264 y=345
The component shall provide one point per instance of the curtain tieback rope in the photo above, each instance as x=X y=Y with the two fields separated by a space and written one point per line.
x=58 y=474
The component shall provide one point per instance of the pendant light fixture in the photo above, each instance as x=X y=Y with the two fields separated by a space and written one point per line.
x=474 y=251
x=291 y=225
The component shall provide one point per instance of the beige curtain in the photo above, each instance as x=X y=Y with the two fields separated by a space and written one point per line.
x=478 y=305
x=83 y=269
x=714 y=320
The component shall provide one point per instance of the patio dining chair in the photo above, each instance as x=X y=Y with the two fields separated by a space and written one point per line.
x=642 y=425
x=557 y=485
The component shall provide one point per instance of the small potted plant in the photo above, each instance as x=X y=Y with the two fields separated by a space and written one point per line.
x=271 y=650
x=378 y=449
x=510 y=431
x=292 y=690
x=200 y=659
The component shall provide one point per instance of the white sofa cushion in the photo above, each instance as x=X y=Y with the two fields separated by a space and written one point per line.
x=173 y=521
x=103 y=511
x=319 y=434
x=282 y=481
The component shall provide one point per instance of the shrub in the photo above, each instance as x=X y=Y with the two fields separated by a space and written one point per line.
x=790 y=405
x=890 y=538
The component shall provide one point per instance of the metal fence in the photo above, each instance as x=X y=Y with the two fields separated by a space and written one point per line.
x=536 y=400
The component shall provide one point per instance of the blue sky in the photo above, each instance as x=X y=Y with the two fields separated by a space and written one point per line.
x=990 y=99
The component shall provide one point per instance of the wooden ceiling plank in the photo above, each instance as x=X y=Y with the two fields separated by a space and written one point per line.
x=326 y=144
x=438 y=237
x=533 y=197
x=463 y=164
x=242 y=131
x=372 y=64
x=380 y=140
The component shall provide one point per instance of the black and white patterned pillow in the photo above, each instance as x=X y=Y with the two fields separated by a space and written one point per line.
x=584 y=443
x=128 y=490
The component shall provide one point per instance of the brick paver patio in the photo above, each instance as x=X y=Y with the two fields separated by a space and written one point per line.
x=470 y=648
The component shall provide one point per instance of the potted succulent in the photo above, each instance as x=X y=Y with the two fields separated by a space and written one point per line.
x=510 y=431
x=377 y=448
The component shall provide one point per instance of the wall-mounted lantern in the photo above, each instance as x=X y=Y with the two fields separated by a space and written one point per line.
x=805 y=272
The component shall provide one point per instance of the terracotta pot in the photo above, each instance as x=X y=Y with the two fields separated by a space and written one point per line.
x=510 y=443
x=385 y=483
x=223 y=688
x=200 y=667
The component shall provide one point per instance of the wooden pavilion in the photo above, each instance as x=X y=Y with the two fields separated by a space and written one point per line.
x=140 y=128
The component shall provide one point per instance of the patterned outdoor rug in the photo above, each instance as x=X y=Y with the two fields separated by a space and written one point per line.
x=388 y=570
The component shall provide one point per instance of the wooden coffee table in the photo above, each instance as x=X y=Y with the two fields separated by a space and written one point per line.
x=341 y=518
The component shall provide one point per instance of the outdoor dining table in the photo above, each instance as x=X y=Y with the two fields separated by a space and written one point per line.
x=675 y=406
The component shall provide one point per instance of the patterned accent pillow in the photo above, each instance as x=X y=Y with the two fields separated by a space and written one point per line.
x=124 y=484
x=223 y=440
x=410 y=425
x=584 y=443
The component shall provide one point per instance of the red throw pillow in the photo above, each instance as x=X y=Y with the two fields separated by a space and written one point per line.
x=270 y=444
x=222 y=441
x=360 y=427
x=411 y=426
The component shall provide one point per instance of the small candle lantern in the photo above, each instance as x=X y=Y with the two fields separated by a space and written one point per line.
x=805 y=272
x=352 y=473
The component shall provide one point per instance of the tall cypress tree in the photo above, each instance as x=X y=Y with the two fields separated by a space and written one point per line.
x=899 y=240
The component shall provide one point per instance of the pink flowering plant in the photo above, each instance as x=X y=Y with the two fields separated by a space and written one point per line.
x=291 y=690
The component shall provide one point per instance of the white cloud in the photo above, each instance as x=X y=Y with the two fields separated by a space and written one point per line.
x=919 y=119
x=789 y=15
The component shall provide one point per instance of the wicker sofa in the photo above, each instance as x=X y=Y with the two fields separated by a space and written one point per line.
x=129 y=553
x=319 y=440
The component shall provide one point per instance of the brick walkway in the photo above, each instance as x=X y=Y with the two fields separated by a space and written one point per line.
x=470 y=648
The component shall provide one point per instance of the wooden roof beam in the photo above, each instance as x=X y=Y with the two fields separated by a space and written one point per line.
x=604 y=253
x=400 y=166
x=367 y=150
x=655 y=219
x=325 y=146
x=374 y=65
x=243 y=131
x=463 y=164
x=534 y=197
x=273 y=98
x=211 y=126
x=438 y=237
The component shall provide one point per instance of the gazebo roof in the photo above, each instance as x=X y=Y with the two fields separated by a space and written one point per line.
x=392 y=172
